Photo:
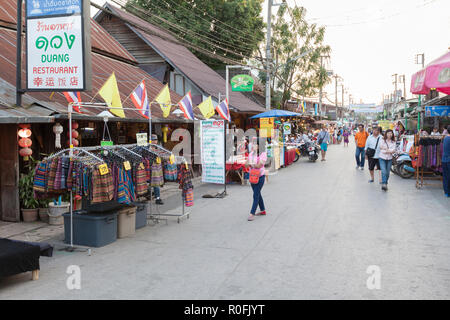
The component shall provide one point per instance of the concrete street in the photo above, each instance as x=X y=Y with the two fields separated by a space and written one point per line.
x=325 y=226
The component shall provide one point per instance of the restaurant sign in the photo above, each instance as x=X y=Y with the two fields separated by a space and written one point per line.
x=242 y=82
x=58 y=45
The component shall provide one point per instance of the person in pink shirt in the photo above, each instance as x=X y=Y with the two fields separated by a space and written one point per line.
x=257 y=162
x=387 y=150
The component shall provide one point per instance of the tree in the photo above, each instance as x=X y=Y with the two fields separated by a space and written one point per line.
x=292 y=37
x=230 y=28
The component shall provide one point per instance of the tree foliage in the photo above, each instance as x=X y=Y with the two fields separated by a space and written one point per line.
x=292 y=37
x=230 y=28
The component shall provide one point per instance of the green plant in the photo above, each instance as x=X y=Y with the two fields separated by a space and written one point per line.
x=26 y=194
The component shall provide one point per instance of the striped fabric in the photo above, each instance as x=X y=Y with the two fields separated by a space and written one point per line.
x=102 y=186
x=39 y=178
x=189 y=198
x=170 y=172
x=141 y=182
x=52 y=175
x=157 y=179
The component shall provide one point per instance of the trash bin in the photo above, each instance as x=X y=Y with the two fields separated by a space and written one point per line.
x=142 y=208
x=126 y=222
x=91 y=229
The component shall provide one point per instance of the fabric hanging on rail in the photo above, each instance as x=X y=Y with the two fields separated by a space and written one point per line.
x=157 y=177
x=430 y=152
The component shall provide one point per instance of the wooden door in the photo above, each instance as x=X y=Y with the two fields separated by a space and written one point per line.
x=9 y=173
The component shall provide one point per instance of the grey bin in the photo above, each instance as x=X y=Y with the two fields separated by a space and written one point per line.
x=141 y=213
x=91 y=229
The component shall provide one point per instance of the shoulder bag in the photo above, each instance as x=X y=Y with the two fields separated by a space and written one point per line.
x=371 y=152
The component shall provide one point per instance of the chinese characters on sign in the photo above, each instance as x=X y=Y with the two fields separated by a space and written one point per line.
x=213 y=153
x=55 y=46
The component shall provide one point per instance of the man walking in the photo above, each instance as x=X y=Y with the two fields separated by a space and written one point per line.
x=360 y=140
x=323 y=139
x=372 y=151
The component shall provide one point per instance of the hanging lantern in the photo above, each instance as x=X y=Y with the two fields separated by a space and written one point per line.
x=74 y=125
x=25 y=133
x=25 y=142
x=57 y=130
x=74 y=142
x=25 y=153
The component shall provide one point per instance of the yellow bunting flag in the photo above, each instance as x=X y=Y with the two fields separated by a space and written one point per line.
x=110 y=93
x=163 y=98
x=207 y=108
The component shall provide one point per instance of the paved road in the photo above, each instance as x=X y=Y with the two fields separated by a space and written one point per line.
x=325 y=226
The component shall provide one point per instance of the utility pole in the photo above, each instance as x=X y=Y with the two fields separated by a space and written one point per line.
x=321 y=91
x=268 y=53
x=395 y=94
x=420 y=115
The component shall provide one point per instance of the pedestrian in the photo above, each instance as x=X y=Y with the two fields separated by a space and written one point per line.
x=387 y=149
x=323 y=139
x=346 y=134
x=256 y=164
x=446 y=163
x=360 y=140
x=435 y=132
x=372 y=151
x=156 y=189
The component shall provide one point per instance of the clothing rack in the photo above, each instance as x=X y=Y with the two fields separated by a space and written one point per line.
x=422 y=173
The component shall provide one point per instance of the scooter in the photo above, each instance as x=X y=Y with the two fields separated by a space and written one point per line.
x=402 y=165
x=309 y=149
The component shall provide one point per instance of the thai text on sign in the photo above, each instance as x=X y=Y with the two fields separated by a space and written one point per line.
x=213 y=151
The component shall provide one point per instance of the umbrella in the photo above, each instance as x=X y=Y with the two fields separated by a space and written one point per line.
x=436 y=75
x=276 y=113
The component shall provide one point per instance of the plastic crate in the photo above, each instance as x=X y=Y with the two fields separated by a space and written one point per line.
x=142 y=209
x=91 y=229
x=126 y=222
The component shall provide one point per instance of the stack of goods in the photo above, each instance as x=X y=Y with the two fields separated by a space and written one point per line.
x=430 y=152
x=185 y=184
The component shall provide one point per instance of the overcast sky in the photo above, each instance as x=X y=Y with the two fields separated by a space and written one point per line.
x=379 y=38
x=373 y=39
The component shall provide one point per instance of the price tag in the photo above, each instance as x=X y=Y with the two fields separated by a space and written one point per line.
x=141 y=165
x=127 y=165
x=158 y=160
x=172 y=159
x=186 y=165
x=103 y=168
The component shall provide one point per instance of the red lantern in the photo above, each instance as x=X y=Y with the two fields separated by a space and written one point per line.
x=74 y=125
x=25 y=142
x=74 y=134
x=25 y=133
x=25 y=153
x=74 y=142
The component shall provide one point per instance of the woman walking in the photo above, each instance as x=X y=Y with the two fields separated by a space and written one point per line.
x=257 y=178
x=387 y=149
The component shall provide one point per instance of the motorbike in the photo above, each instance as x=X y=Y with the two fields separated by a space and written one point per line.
x=402 y=166
x=308 y=149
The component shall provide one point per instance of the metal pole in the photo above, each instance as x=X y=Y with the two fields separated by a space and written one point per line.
x=320 y=92
x=150 y=125
x=70 y=108
x=19 y=55
x=268 y=53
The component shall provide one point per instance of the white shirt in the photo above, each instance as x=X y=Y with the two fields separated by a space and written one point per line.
x=372 y=142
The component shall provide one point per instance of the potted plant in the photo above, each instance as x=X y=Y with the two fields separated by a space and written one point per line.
x=28 y=203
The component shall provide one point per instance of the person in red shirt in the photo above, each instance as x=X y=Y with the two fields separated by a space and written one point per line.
x=360 y=140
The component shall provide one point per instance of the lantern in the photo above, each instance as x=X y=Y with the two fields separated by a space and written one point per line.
x=25 y=133
x=57 y=130
x=25 y=142
x=74 y=142
x=25 y=153
x=75 y=125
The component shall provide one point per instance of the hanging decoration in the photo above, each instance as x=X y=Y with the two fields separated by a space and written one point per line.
x=73 y=136
x=25 y=142
x=57 y=130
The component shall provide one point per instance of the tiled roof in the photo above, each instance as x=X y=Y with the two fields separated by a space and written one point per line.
x=187 y=63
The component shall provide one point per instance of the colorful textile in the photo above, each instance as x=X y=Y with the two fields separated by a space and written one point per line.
x=141 y=181
x=39 y=177
x=52 y=175
x=102 y=187
x=189 y=198
x=170 y=172
x=157 y=178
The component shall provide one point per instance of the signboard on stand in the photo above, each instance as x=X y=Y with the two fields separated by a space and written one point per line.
x=141 y=139
x=213 y=151
x=266 y=126
x=58 y=45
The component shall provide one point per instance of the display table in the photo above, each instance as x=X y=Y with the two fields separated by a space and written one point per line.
x=236 y=164
x=289 y=156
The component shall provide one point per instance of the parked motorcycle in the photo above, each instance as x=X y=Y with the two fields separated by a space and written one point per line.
x=402 y=166
x=309 y=149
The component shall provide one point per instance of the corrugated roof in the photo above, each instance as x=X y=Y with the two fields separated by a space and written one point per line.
x=128 y=77
x=102 y=41
x=187 y=63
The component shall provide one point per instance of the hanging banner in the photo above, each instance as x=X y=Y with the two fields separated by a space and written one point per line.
x=58 y=45
x=242 y=83
x=437 y=111
x=213 y=151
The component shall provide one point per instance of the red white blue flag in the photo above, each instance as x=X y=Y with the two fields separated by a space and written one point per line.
x=185 y=105
x=223 y=110
x=140 y=100
x=73 y=97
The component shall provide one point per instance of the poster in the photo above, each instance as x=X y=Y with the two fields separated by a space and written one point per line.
x=40 y=8
x=266 y=126
x=287 y=128
x=213 y=151
x=141 y=139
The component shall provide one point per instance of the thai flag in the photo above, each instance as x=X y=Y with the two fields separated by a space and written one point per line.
x=185 y=105
x=73 y=97
x=223 y=110
x=140 y=100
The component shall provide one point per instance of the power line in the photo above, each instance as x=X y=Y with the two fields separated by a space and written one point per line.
x=237 y=45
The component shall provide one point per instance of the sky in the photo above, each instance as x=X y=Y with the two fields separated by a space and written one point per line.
x=372 y=40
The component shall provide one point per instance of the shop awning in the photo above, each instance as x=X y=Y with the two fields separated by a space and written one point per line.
x=436 y=75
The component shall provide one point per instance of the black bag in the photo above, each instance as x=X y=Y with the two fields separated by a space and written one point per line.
x=371 y=152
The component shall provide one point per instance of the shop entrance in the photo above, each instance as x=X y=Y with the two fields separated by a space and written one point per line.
x=9 y=173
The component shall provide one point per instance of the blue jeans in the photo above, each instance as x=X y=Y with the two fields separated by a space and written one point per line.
x=446 y=177
x=360 y=156
x=157 y=192
x=257 y=197
x=385 y=166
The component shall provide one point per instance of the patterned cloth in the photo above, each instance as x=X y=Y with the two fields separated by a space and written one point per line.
x=102 y=186
x=39 y=178
x=157 y=178
x=52 y=175
x=141 y=181
x=189 y=197
x=170 y=172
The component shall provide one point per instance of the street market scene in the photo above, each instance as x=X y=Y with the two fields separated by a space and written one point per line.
x=224 y=150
